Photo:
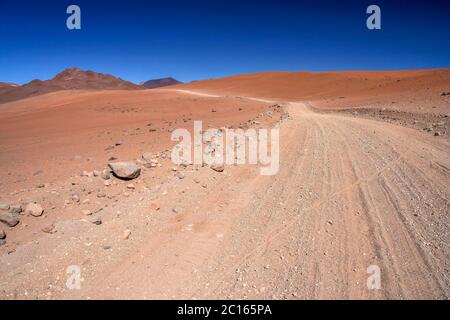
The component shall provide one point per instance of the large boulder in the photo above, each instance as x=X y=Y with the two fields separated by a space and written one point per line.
x=126 y=170
x=10 y=219
x=15 y=208
x=34 y=209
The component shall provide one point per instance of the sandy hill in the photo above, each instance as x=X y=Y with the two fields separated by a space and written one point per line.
x=72 y=78
x=157 y=83
x=335 y=89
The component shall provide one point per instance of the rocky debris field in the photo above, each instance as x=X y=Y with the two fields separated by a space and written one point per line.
x=91 y=193
x=435 y=124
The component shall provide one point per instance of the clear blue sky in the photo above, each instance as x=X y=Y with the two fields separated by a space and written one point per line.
x=189 y=40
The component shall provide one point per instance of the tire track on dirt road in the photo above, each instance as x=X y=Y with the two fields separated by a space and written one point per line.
x=382 y=234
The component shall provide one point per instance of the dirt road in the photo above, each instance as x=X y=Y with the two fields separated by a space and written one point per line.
x=350 y=193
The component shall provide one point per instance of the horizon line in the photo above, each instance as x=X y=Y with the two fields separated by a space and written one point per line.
x=233 y=75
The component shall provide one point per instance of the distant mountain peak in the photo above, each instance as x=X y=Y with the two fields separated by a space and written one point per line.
x=8 y=84
x=72 y=70
x=77 y=73
x=161 y=82
x=68 y=79
x=76 y=78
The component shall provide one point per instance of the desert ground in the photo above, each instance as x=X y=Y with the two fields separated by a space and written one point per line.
x=364 y=180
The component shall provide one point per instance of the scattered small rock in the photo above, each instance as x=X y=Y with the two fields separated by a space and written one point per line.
x=4 y=206
x=49 y=229
x=75 y=197
x=85 y=173
x=97 y=210
x=2 y=234
x=131 y=186
x=217 y=167
x=110 y=147
x=105 y=174
x=101 y=194
x=126 y=234
x=38 y=173
x=148 y=156
x=180 y=175
x=97 y=220
x=155 y=206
